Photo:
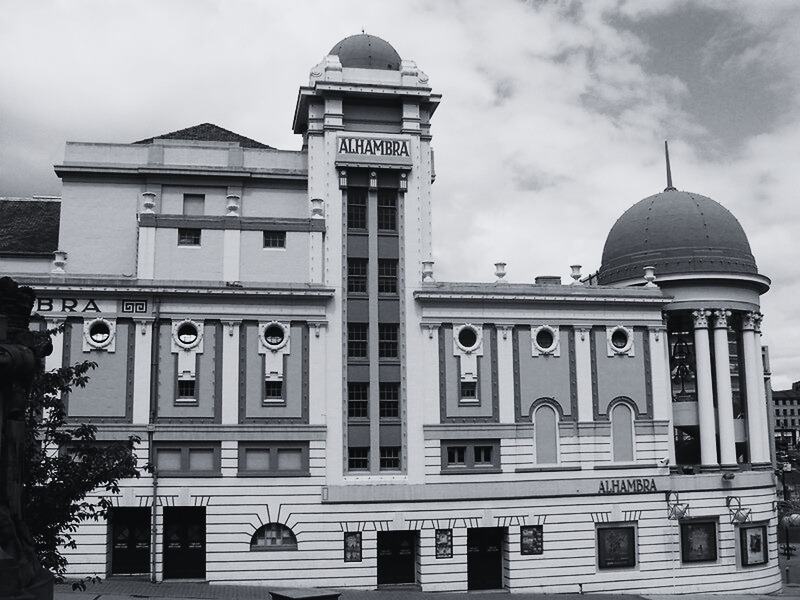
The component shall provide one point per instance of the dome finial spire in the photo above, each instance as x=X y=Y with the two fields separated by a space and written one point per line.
x=669 y=171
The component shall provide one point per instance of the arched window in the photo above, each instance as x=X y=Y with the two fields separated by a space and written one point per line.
x=273 y=536
x=622 y=433
x=545 y=434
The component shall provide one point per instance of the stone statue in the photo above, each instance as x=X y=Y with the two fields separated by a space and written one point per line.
x=21 y=354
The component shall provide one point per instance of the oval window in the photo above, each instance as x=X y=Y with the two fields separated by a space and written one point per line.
x=619 y=339
x=274 y=335
x=99 y=332
x=545 y=339
x=468 y=337
x=187 y=334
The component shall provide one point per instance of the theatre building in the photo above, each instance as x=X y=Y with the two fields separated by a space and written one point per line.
x=322 y=410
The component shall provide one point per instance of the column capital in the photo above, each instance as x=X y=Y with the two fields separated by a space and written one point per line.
x=721 y=318
x=751 y=321
x=701 y=318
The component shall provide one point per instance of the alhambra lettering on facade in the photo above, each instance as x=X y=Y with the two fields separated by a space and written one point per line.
x=373 y=147
x=66 y=305
x=627 y=486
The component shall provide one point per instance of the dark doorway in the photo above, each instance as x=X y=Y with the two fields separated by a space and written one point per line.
x=397 y=557
x=485 y=558
x=184 y=542
x=130 y=540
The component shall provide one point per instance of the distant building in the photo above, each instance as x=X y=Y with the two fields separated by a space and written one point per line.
x=322 y=411
x=787 y=414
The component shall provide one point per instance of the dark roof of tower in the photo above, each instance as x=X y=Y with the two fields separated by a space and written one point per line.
x=29 y=226
x=367 y=51
x=207 y=132
x=675 y=232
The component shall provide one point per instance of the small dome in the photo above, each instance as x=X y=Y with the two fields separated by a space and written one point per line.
x=366 y=51
x=675 y=232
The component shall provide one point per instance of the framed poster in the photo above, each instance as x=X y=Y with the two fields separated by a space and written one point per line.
x=444 y=543
x=352 y=546
x=699 y=541
x=616 y=547
x=753 y=541
x=531 y=539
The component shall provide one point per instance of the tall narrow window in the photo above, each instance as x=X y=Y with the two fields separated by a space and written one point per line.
x=387 y=210
x=357 y=400
x=357 y=275
x=389 y=400
x=622 y=433
x=545 y=434
x=387 y=340
x=356 y=208
x=357 y=335
x=387 y=276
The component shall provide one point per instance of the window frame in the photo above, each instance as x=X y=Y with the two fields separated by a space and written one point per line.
x=389 y=396
x=353 y=343
x=350 y=459
x=357 y=276
x=276 y=243
x=388 y=276
x=267 y=400
x=355 y=388
x=190 y=237
x=357 y=204
x=186 y=449
x=274 y=449
x=388 y=348
x=398 y=458
x=291 y=547
x=470 y=465
x=387 y=210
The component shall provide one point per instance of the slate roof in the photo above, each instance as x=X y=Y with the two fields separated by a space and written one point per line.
x=29 y=226
x=207 y=132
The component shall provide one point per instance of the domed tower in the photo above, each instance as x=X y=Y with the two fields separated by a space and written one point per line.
x=699 y=254
x=365 y=118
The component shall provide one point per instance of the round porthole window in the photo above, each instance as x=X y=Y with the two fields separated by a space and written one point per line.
x=468 y=338
x=187 y=334
x=620 y=339
x=274 y=335
x=545 y=339
x=99 y=332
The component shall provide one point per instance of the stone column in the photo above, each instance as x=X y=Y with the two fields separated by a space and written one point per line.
x=722 y=363
x=756 y=425
x=705 y=391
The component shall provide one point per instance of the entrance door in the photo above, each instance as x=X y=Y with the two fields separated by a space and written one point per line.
x=130 y=540
x=397 y=554
x=485 y=558
x=184 y=542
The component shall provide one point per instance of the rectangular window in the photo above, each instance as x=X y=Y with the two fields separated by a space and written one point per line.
x=616 y=546
x=468 y=391
x=194 y=204
x=352 y=546
x=475 y=456
x=187 y=390
x=274 y=239
x=390 y=458
x=179 y=460
x=273 y=391
x=387 y=276
x=357 y=459
x=188 y=236
x=387 y=340
x=357 y=275
x=456 y=456
x=356 y=208
x=357 y=336
x=273 y=458
x=389 y=400
x=387 y=210
x=357 y=400
x=698 y=541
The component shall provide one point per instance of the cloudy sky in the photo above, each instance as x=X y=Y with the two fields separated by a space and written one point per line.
x=552 y=121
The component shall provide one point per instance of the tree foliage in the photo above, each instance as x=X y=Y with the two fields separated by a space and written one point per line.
x=63 y=464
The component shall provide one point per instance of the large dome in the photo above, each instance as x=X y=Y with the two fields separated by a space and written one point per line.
x=366 y=51
x=677 y=233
